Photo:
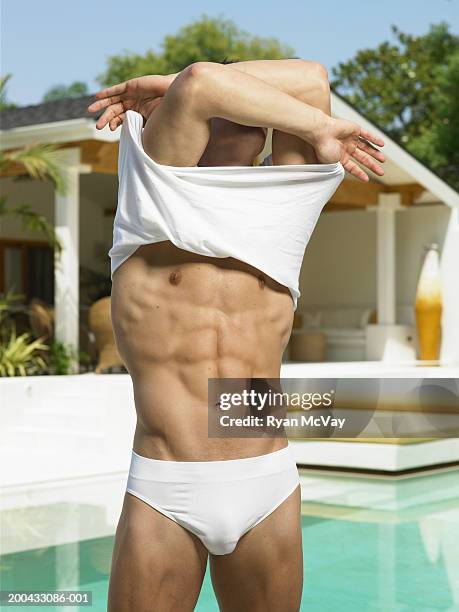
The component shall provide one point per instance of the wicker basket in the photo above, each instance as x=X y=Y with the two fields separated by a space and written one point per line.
x=307 y=346
x=100 y=323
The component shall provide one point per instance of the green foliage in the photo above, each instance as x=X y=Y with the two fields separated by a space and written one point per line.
x=207 y=39
x=24 y=355
x=40 y=162
x=410 y=89
x=4 y=104
x=84 y=359
x=61 y=92
x=60 y=358
x=19 y=355
x=32 y=222
x=10 y=303
x=440 y=142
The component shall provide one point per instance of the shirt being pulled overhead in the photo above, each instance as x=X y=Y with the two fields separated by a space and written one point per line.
x=261 y=215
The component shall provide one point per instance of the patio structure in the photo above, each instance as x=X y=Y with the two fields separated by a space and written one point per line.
x=360 y=271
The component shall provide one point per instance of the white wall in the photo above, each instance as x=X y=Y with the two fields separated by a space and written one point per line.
x=39 y=195
x=340 y=262
x=415 y=228
x=66 y=441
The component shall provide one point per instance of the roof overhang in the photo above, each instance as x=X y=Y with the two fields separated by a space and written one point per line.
x=400 y=167
x=71 y=130
x=398 y=157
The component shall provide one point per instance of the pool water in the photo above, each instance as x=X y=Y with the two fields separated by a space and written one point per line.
x=356 y=559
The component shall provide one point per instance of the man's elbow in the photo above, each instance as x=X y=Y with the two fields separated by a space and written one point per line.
x=314 y=85
x=194 y=80
x=312 y=69
x=201 y=73
x=320 y=71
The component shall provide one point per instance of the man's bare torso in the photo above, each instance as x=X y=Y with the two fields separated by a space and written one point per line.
x=180 y=318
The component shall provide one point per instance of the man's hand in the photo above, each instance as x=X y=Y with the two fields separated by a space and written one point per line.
x=142 y=94
x=345 y=141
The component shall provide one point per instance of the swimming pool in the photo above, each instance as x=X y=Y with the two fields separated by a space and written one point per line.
x=371 y=544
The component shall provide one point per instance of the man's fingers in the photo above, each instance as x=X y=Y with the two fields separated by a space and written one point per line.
x=107 y=97
x=112 y=111
x=351 y=167
x=98 y=104
x=371 y=150
x=114 y=123
x=114 y=90
x=368 y=161
x=372 y=137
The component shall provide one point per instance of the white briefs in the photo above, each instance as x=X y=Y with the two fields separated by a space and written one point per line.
x=261 y=215
x=218 y=501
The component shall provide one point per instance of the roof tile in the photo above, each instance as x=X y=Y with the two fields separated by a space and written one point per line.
x=48 y=112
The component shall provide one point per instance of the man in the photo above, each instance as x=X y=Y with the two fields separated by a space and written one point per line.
x=181 y=317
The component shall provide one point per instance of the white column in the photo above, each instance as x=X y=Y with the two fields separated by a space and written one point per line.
x=386 y=273
x=66 y=273
x=387 y=341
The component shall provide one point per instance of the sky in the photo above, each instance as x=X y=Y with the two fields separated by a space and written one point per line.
x=57 y=42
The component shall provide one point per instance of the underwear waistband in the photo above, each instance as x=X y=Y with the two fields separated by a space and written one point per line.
x=160 y=470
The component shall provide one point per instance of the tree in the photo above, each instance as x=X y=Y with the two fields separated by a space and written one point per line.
x=39 y=162
x=438 y=143
x=23 y=354
x=207 y=39
x=4 y=104
x=410 y=89
x=60 y=92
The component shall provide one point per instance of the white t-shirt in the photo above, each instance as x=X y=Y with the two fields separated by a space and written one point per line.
x=262 y=215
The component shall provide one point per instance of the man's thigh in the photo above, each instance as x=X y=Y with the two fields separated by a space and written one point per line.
x=265 y=572
x=156 y=565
